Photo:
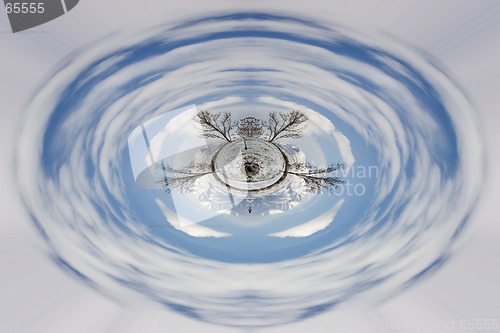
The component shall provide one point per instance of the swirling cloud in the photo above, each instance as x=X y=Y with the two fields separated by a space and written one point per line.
x=387 y=105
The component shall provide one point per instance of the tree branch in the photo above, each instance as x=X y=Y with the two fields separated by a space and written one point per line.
x=215 y=125
x=317 y=179
x=182 y=179
x=287 y=125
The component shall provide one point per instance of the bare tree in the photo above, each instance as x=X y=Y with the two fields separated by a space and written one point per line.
x=279 y=125
x=182 y=179
x=215 y=125
x=285 y=125
x=318 y=179
x=250 y=127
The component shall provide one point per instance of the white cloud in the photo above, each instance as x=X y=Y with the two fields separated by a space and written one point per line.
x=315 y=225
x=190 y=228
x=80 y=233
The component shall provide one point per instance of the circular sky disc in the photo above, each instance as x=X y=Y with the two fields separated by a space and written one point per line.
x=255 y=238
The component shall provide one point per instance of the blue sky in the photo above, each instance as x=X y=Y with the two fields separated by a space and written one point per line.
x=359 y=147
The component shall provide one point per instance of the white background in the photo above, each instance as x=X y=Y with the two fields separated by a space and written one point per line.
x=35 y=296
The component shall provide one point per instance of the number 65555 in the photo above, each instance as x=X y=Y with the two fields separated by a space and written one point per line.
x=25 y=8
